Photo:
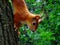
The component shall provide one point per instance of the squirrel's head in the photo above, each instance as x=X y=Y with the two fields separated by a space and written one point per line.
x=33 y=21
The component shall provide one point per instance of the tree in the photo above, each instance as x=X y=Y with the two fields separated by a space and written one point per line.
x=7 y=34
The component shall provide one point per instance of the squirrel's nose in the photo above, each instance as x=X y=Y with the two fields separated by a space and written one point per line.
x=33 y=30
x=26 y=25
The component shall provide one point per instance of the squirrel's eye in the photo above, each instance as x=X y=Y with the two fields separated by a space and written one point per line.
x=34 y=23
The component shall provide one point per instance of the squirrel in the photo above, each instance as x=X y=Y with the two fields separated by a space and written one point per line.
x=23 y=16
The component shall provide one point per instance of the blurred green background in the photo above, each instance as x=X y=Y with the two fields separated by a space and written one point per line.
x=48 y=32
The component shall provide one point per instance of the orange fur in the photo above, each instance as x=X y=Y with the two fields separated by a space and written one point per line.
x=23 y=16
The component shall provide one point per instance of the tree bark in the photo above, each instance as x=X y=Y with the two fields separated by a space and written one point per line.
x=7 y=34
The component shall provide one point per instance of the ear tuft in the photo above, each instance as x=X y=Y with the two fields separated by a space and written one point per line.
x=39 y=20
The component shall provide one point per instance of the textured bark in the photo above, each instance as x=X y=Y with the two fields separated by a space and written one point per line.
x=7 y=34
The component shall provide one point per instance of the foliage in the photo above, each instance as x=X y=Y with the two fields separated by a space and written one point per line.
x=48 y=32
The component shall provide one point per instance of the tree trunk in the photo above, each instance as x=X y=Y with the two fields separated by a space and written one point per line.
x=7 y=34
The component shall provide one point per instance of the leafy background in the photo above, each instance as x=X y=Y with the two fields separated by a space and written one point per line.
x=48 y=32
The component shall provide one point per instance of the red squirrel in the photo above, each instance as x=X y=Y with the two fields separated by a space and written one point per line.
x=23 y=16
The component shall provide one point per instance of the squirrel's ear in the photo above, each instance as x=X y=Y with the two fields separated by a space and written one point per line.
x=37 y=17
x=41 y=19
